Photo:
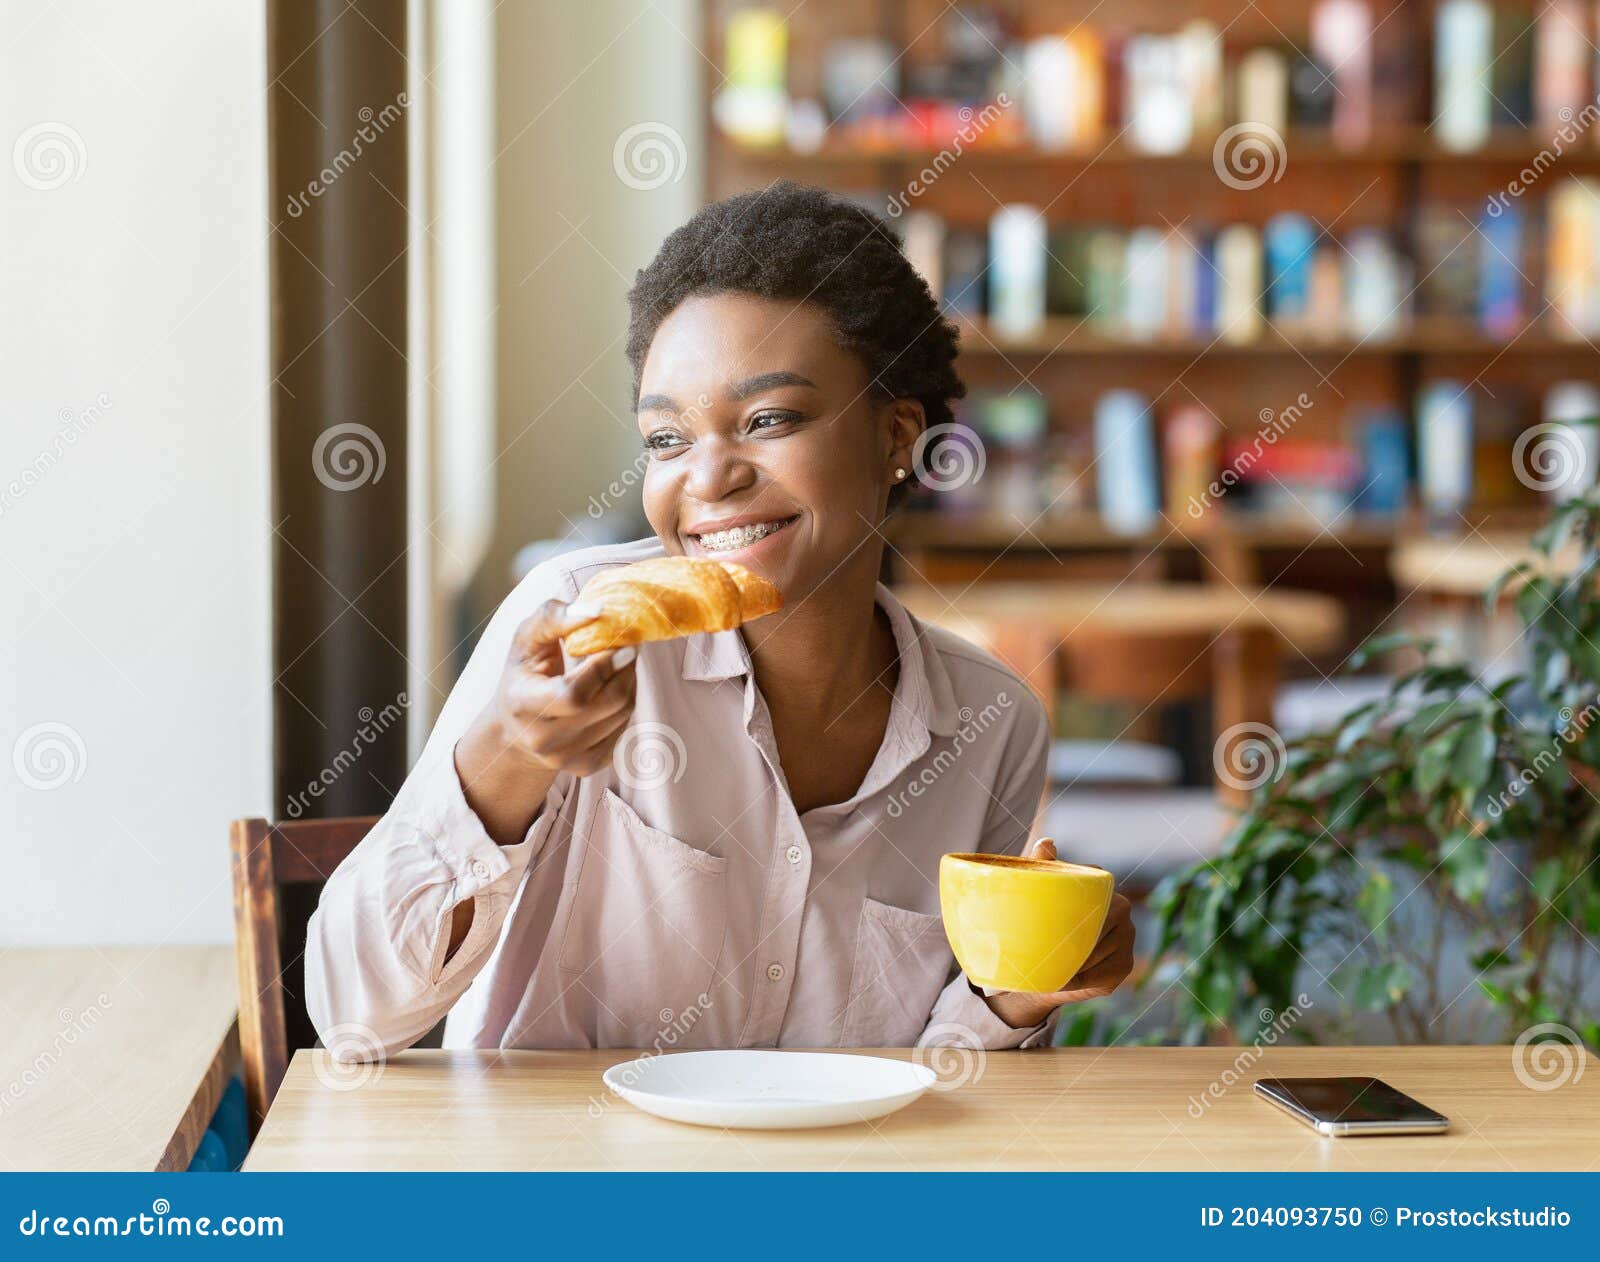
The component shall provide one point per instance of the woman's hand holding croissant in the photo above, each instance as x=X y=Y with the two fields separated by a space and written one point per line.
x=543 y=720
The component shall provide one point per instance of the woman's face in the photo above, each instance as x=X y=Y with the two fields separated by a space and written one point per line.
x=766 y=446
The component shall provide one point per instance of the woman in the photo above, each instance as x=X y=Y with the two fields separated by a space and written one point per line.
x=731 y=839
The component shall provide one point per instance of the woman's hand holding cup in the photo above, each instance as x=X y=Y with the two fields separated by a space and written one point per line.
x=1107 y=967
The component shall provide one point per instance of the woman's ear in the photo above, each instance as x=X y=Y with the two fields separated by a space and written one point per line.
x=905 y=423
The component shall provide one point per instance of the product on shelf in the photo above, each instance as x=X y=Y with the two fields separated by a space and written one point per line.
x=1500 y=265
x=1562 y=61
x=1572 y=264
x=1463 y=49
x=1311 y=93
x=1386 y=461
x=1125 y=462
x=1574 y=453
x=1444 y=447
x=1447 y=257
x=1191 y=448
x=1239 y=284
x=1017 y=269
x=1013 y=426
x=1496 y=421
x=1263 y=89
x=965 y=263
x=859 y=79
x=1377 y=286
x=752 y=104
x=1063 y=90
x=1511 y=77
x=1159 y=107
x=1283 y=476
x=1341 y=39
x=1144 y=283
x=1290 y=240
x=1104 y=288
x=923 y=239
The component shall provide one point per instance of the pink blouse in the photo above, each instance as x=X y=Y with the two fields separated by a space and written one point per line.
x=678 y=897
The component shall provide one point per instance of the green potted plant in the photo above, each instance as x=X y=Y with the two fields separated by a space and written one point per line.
x=1463 y=809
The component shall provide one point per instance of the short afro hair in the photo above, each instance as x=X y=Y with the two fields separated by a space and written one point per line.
x=794 y=242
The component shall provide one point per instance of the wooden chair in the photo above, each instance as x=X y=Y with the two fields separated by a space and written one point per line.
x=278 y=874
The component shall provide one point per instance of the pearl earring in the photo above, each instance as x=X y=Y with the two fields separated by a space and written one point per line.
x=899 y=474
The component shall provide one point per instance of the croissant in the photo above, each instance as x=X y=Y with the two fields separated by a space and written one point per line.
x=665 y=597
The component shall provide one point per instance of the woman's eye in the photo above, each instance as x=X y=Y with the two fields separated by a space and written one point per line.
x=663 y=440
x=771 y=420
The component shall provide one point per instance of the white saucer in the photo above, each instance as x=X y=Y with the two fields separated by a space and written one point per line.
x=768 y=1090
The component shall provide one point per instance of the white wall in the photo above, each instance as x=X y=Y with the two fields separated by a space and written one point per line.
x=133 y=539
x=572 y=231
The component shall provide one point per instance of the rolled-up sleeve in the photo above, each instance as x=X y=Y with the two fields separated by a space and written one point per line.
x=376 y=976
x=960 y=1015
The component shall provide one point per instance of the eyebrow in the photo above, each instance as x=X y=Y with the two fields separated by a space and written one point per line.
x=656 y=403
x=766 y=381
x=739 y=390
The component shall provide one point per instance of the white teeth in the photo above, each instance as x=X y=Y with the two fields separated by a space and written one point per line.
x=738 y=536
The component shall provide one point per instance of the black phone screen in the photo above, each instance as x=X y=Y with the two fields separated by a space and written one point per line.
x=1348 y=1100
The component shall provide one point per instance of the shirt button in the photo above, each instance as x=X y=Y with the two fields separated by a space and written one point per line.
x=775 y=972
x=480 y=869
x=793 y=854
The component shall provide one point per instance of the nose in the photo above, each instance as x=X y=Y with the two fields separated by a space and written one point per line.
x=716 y=470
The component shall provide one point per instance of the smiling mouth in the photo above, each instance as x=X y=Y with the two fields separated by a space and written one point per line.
x=737 y=537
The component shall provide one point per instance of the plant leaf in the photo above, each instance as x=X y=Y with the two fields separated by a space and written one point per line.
x=1466 y=859
x=1375 y=901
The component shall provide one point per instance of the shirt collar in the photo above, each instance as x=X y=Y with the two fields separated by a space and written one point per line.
x=924 y=699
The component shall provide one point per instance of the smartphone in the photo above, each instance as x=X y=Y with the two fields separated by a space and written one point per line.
x=1351 y=1106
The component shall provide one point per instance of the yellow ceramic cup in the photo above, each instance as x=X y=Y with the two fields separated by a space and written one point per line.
x=1021 y=924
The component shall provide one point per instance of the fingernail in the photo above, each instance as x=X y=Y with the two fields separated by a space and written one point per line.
x=584 y=609
x=624 y=656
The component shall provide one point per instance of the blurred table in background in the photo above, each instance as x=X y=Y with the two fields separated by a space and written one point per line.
x=1443 y=582
x=1464 y=567
x=114 y=1058
x=1145 y=643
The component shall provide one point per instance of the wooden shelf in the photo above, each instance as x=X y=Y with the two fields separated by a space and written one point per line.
x=1401 y=146
x=1076 y=335
x=988 y=531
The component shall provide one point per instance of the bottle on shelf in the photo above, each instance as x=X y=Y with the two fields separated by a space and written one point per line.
x=1376 y=286
x=1575 y=407
x=752 y=104
x=1290 y=241
x=1017 y=255
x=1126 y=487
x=1192 y=452
x=1200 y=51
x=1463 y=52
x=1572 y=258
x=1444 y=447
x=1159 y=106
x=1145 y=283
x=1385 y=461
x=1500 y=266
x=1563 y=45
x=1341 y=39
x=1239 y=284
x=1263 y=89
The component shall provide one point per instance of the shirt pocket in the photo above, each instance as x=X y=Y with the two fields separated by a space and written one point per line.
x=646 y=926
x=901 y=964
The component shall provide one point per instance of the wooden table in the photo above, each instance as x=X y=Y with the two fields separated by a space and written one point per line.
x=1146 y=643
x=1047 y=1109
x=113 y=1058
x=1464 y=568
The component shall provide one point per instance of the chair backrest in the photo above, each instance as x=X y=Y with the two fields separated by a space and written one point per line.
x=278 y=874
